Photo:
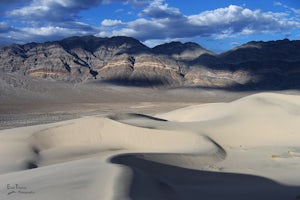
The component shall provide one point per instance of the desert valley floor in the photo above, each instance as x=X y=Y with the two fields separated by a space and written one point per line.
x=140 y=143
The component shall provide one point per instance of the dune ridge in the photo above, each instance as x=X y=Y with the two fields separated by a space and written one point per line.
x=245 y=149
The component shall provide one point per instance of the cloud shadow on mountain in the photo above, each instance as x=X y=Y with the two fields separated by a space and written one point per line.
x=138 y=82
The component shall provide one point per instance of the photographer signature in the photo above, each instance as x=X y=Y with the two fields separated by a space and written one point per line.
x=17 y=189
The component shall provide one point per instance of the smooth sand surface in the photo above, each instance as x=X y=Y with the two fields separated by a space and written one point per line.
x=245 y=149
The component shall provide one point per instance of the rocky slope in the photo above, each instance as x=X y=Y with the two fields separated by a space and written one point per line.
x=126 y=61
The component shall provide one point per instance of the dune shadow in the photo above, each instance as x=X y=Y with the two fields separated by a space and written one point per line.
x=32 y=164
x=125 y=116
x=144 y=121
x=152 y=180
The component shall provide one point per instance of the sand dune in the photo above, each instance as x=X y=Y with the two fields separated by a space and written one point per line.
x=245 y=149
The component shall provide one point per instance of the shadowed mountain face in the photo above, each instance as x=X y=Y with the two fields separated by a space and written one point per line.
x=126 y=61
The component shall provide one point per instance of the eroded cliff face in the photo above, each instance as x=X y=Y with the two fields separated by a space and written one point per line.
x=120 y=60
x=143 y=69
x=126 y=61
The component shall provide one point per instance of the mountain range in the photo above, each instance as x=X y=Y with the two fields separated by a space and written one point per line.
x=123 y=60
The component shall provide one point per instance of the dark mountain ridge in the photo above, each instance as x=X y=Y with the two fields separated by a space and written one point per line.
x=126 y=61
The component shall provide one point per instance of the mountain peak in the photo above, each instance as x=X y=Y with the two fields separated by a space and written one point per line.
x=181 y=51
x=177 y=46
x=261 y=50
x=260 y=44
x=92 y=43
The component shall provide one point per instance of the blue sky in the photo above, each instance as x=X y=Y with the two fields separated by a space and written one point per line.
x=217 y=25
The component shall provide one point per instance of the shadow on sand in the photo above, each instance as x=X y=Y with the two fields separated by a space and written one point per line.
x=158 y=181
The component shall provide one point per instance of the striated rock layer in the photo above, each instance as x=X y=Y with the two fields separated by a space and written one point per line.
x=126 y=61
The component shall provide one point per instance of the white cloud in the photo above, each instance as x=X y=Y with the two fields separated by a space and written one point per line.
x=235 y=43
x=158 y=9
x=52 y=10
x=56 y=10
x=156 y=22
x=294 y=10
x=48 y=31
x=40 y=34
x=152 y=43
x=135 y=2
x=4 y=27
x=277 y=3
x=247 y=31
x=219 y=16
x=219 y=23
x=42 y=20
x=238 y=19
x=124 y=32
x=110 y=22
x=34 y=11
